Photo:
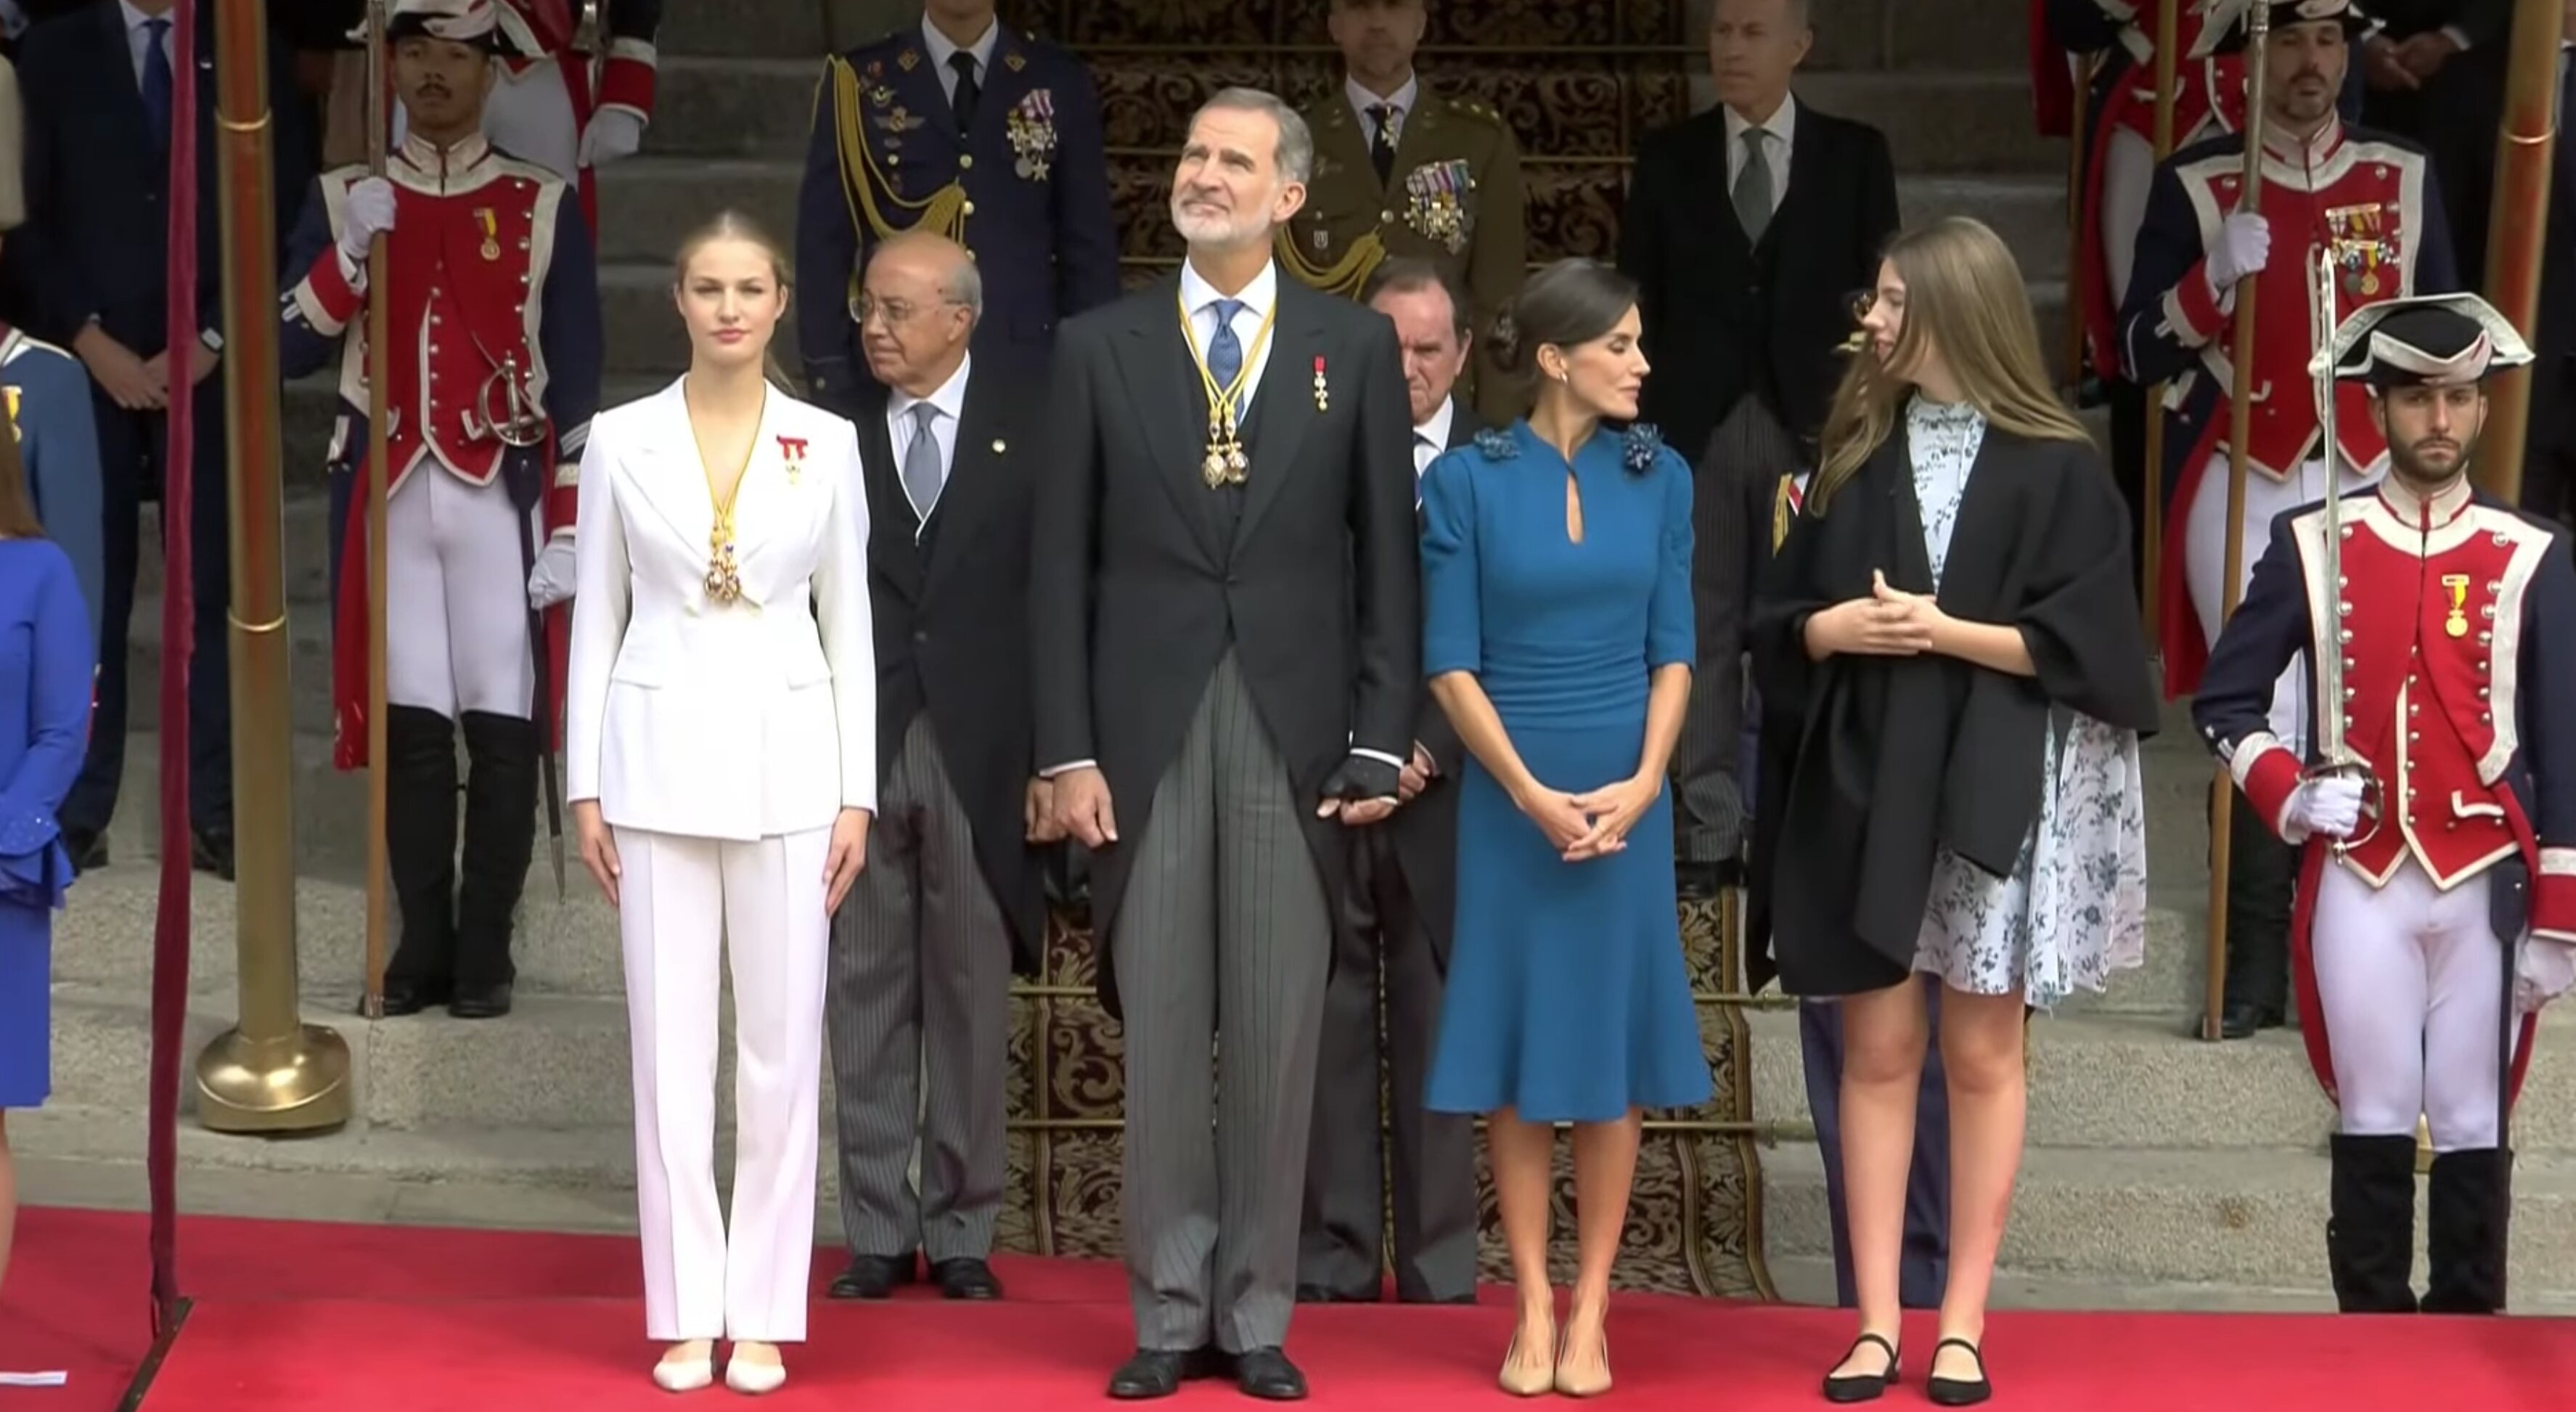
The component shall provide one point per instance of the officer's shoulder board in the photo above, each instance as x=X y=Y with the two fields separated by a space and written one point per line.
x=1478 y=116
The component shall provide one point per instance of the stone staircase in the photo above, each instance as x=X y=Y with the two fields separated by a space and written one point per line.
x=2161 y=1171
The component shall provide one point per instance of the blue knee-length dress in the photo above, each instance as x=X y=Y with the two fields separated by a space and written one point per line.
x=1567 y=999
x=46 y=651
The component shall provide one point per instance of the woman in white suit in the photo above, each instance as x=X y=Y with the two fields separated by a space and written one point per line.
x=720 y=719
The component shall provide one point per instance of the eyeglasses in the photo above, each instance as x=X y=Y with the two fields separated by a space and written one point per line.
x=895 y=312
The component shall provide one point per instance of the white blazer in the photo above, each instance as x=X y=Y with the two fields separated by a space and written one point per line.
x=735 y=720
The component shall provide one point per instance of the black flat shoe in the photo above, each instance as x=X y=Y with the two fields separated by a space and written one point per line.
x=965 y=1278
x=2245 y=1021
x=480 y=1002
x=1267 y=1374
x=1959 y=1392
x=1862 y=1387
x=1159 y=1372
x=873 y=1276
x=410 y=998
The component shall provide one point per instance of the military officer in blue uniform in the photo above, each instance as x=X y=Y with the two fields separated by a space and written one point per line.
x=965 y=129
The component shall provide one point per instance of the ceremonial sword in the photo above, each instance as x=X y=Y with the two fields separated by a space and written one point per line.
x=2334 y=758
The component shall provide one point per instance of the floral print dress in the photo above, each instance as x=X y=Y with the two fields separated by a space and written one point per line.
x=2074 y=908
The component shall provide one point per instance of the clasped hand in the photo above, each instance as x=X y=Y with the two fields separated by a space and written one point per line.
x=1593 y=824
x=1888 y=623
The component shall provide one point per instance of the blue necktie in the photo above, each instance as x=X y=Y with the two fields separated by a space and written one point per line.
x=157 y=82
x=1225 y=351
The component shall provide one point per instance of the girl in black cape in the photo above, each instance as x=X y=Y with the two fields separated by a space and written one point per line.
x=1955 y=682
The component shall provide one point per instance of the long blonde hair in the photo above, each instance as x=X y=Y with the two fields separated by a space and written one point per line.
x=734 y=225
x=1964 y=296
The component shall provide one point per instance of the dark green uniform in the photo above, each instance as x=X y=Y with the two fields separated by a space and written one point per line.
x=1456 y=198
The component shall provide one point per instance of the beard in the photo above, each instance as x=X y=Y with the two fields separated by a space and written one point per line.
x=1217 y=230
x=2410 y=465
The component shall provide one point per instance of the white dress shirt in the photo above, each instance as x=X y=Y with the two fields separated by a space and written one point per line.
x=1430 y=439
x=941 y=47
x=1362 y=98
x=1257 y=298
x=901 y=427
x=1778 y=131
x=136 y=36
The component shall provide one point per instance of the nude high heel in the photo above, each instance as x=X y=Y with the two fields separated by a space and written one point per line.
x=674 y=1374
x=1589 y=1386
x=754 y=1378
x=1521 y=1380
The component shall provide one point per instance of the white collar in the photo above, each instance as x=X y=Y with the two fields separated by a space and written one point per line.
x=941 y=46
x=949 y=397
x=135 y=19
x=1362 y=98
x=1436 y=430
x=1782 y=124
x=1256 y=297
x=468 y=153
x=2447 y=503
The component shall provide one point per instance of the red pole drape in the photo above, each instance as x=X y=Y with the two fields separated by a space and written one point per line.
x=178 y=625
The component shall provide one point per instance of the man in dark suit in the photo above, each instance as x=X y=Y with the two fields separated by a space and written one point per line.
x=1396 y=921
x=2465 y=110
x=964 y=129
x=1227 y=635
x=922 y=953
x=1748 y=229
x=2417 y=42
x=99 y=85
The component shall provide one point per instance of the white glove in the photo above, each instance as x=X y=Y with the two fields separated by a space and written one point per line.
x=551 y=581
x=2329 y=807
x=2542 y=972
x=2243 y=247
x=368 y=211
x=613 y=133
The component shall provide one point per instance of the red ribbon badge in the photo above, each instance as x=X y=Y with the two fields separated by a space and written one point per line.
x=792 y=448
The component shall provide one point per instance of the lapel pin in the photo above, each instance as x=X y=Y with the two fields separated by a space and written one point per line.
x=907 y=60
x=792 y=448
x=1014 y=62
x=1323 y=394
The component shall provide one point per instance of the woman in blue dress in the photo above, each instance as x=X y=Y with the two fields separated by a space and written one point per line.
x=1556 y=559
x=45 y=656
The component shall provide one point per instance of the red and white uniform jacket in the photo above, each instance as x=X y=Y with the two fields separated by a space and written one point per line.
x=489 y=266
x=536 y=30
x=2369 y=198
x=2459 y=683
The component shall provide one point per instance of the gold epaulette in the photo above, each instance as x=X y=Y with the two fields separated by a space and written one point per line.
x=1346 y=277
x=873 y=205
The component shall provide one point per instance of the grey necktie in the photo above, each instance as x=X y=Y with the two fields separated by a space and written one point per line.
x=921 y=475
x=1753 y=188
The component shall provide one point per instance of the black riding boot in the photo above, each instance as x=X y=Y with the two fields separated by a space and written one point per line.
x=2466 y=1220
x=2262 y=873
x=500 y=830
x=2370 y=1235
x=420 y=852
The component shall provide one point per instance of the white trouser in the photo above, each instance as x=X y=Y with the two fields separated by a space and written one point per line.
x=2128 y=169
x=2204 y=553
x=456 y=597
x=678 y=901
x=2411 y=980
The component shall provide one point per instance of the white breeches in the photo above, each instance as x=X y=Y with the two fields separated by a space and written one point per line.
x=2128 y=167
x=2204 y=553
x=2411 y=980
x=679 y=900
x=456 y=597
x=529 y=116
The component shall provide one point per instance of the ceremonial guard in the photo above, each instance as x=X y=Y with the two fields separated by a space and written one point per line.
x=569 y=100
x=959 y=128
x=496 y=310
x=1402 y=170
x=2437 y=807
x=2370 y=200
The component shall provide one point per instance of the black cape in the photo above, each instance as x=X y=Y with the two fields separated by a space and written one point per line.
x=1870 y=764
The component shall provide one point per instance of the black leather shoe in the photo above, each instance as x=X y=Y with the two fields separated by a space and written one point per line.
x=1862 y=1387
x=1697 y=882
x=874 y=1276
x=406 y=998
x=481 y=1002
x=965 y=1278
x=1959 y=1392
x=88 y=850
x=2237 y=1021
x=211 y=851
x=1159 y=1372
x=1326 y=1294
x=1267 y=1374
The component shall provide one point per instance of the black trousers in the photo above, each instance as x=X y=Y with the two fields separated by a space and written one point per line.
x=132 y=454
x=2262 y=873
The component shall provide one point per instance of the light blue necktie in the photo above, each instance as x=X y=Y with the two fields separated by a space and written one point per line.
x=1225 y=351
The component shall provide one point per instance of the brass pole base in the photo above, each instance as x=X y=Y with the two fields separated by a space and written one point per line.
x=293 y=1084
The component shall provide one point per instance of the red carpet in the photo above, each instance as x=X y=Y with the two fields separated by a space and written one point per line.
x=297 y=1317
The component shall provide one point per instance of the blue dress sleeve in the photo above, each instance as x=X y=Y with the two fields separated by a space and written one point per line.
x=1671 y=632
x=1453 y=633
x=34 y=869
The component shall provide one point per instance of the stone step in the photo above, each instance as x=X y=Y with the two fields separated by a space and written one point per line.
x=2102 y=1082
x=2252 y=1216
